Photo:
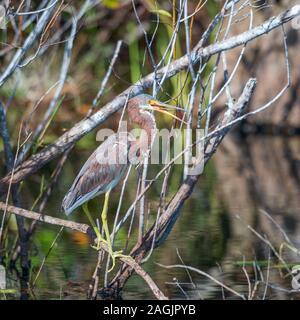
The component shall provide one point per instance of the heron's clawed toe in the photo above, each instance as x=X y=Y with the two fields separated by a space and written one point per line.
x=114 y=255
x=98 y=246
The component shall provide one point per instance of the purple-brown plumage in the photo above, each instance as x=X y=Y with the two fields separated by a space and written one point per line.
x=100 y=174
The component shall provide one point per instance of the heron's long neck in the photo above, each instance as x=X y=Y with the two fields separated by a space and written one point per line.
x=149 y=125
x=146 y=121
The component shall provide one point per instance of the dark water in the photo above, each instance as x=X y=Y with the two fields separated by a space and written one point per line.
x=212 y=234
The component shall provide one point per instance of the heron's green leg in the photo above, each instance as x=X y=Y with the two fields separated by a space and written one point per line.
x=113 y=254
x=98 y=234
x=106 y=230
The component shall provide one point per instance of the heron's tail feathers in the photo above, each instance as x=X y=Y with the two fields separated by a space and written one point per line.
x=68 y=203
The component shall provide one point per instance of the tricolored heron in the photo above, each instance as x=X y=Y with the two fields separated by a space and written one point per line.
x=100 y=174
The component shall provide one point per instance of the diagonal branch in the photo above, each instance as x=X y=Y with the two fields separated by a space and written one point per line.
x=80 y=227
x=166 y=221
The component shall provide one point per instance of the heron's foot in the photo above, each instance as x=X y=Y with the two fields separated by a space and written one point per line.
x=117 y=254
x=113 y=255
x=99 y=240
x=98 y=246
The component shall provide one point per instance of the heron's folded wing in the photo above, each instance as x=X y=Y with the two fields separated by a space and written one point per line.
x=104 y=168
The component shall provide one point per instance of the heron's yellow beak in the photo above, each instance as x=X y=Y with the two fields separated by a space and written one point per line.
x=161 y=107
